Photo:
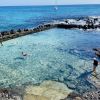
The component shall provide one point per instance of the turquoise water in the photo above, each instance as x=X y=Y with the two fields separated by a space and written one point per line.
x=55 y=54
x=31 y=16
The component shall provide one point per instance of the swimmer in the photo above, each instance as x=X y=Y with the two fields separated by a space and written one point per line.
x=24 y=54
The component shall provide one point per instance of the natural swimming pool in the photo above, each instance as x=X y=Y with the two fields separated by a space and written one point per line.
x=55 y=54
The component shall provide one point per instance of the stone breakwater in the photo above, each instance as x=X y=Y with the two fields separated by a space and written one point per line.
x=79 y=23
x=7 y=35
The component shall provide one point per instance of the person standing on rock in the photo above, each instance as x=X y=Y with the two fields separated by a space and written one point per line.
x=95 y=64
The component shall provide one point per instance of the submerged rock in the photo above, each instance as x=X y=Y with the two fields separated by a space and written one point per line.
x=74 y=96
x=35 y=97
x=48 y=90
x=94 y=79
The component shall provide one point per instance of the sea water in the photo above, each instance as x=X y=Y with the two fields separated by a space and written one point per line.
x=55 y=54
x=30 y=16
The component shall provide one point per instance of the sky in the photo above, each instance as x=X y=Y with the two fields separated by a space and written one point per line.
x=46 y=2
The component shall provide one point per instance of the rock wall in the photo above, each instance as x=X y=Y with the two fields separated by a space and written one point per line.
x=84 y=23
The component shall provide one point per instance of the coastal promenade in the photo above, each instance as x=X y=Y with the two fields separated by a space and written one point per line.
x=79 y=23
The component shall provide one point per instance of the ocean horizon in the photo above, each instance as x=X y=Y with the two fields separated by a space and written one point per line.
x=15 y=17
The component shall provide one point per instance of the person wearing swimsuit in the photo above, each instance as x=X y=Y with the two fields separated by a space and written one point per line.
x=95 y=64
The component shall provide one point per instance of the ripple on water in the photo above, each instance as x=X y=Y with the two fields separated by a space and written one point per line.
x=48 y=58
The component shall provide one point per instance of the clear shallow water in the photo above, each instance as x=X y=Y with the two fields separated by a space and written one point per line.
x=31 y=16
x=56 y=54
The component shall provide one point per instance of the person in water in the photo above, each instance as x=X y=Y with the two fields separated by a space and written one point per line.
x=95 y=64
x=24 y=54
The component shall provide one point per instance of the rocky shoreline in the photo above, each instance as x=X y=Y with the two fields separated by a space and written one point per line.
x=78 y=23
x=48 y=90
x=51 y=90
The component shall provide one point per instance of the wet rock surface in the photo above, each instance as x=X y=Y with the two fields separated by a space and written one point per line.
x=91 y=95
x=52 y=90
x=84 y=23
x=97 y=51
x=94 y=79
x=10 y=94
x=48 y=90
x=94 y=95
